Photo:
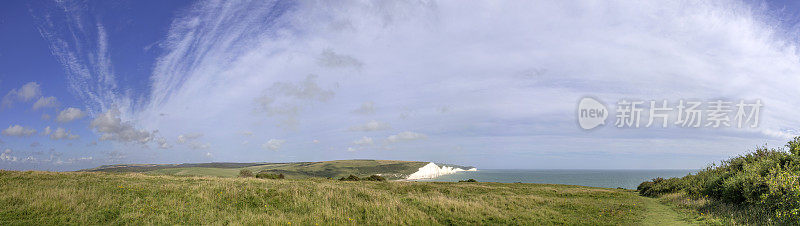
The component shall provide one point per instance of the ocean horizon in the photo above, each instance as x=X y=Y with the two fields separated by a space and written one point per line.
x=606 y=178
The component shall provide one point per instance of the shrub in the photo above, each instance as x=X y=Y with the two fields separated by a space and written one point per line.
x=245 y=173
x=349 y=178
x=267 y=175
x=784 y=196
x=794 y=146
x=374 y=178
x=470 y=180
x=765 y=179
x=659 y=186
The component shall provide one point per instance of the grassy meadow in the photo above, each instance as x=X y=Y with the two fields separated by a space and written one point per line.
x=46 y=198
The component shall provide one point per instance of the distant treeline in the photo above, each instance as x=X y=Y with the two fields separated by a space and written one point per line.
x=755 y=188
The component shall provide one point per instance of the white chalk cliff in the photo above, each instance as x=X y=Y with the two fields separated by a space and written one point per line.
x=431 y=171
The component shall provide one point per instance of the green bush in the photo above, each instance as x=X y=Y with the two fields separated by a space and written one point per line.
x=794 y=146
x=784 y=195
x=763 y=179
x=659 y=186
x=245 y=173
x=470 y=180
x=349 y=178
x=267 y=175
x=374 y=178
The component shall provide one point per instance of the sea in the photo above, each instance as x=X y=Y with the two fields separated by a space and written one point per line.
x=628 y=179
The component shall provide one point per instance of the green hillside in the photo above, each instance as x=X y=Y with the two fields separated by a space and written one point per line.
x=390 y=169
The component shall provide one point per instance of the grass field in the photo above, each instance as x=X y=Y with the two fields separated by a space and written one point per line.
x=35 y=198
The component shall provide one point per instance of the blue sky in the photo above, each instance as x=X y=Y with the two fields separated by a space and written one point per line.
x=488 y=84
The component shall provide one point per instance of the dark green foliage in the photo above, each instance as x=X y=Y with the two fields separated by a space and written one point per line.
x=267 y=175
x=245 y=173
x=470 y=180
x=349 y=178
x=763 y=179
x=374 y=178
x=659 y=186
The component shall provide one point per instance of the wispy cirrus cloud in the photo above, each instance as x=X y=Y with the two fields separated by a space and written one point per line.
x=507 y=73
x=79 y=42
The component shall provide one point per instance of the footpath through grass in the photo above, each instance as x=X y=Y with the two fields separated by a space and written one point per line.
x=36 y=198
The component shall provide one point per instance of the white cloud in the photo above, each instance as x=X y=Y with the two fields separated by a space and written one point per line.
x=46 y=131
x=366 y=108
x=183 y=138
x=61 y=133
x=246 y=133
x=351 y=149
x=364 y=141
x=189 y=139
x=406 y=136
x=69 y=115
x=45 y=102
x=18 y=131
x=273 y=144
x=30 y=159
x=6 y=156
x=113 y=128
x=371 y=126
x=315 y=141
x=162 y=143
x=23 y=94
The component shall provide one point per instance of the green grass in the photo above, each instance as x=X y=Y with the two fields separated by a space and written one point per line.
x=36 y=198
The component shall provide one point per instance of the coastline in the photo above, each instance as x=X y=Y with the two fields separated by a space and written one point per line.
x=432 y=171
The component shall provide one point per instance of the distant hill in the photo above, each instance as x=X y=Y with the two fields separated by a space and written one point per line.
x=391 y=169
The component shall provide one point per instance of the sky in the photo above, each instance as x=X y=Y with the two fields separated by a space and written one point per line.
x=490 y=84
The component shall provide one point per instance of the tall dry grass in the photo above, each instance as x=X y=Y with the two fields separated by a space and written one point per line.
x=36 y=198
